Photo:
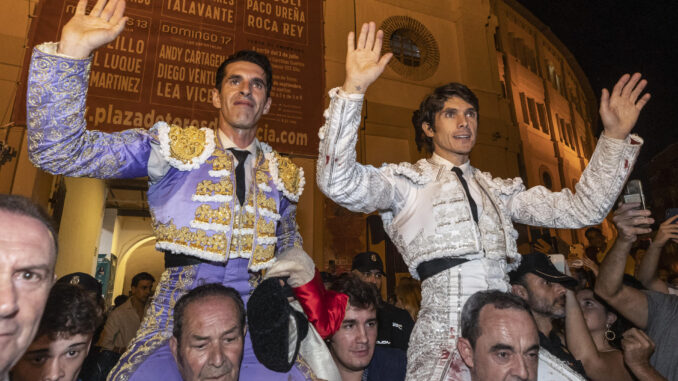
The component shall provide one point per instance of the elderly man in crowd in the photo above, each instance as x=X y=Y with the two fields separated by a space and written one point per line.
x=499 y=339
x=63 y=341
x=209 y=333
x=28 y=250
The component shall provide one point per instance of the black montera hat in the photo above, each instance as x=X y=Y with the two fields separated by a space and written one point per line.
x=366 y=261
x=539 y=264
x=268 y=318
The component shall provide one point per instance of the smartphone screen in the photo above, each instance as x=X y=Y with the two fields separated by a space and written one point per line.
x=670 y=212
x=633 y=193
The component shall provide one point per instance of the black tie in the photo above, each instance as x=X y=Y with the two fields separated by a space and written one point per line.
x=472 y=204
x=241 y=156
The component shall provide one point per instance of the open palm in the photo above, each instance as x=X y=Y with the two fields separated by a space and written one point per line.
x=85 y=32
x=364 y=63
x=619 y=110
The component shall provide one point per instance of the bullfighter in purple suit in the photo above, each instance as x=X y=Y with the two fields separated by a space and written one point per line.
x=223 y=203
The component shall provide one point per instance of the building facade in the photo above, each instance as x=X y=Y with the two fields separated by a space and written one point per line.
x=537 y=111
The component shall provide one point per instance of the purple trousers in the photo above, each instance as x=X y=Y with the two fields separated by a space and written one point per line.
x=148 y=357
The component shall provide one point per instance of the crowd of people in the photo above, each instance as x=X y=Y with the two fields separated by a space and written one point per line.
x=241 y=299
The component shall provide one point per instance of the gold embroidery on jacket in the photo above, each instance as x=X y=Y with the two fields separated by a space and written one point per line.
x=264 y=202
x=186 y=143
x=288 y=173
x=223 y=187
x=221 y=161
x=169 y=234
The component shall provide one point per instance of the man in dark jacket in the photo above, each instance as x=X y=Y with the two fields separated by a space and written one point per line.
x=395 y=324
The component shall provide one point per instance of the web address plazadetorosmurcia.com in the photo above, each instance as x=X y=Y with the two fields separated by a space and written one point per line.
x=103 y=116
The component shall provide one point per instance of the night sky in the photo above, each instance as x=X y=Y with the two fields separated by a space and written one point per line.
x=612 y=37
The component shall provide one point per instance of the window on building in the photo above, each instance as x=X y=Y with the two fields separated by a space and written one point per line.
x=404 y=48
x=533 y=113
x=552 y=72
x=546 y=179
x=573 y=137
x=541 y=109
x=524 y=54
x=561 y=130
x=523 y=104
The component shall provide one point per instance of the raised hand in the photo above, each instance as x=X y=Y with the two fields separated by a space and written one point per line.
x=619 y=111
x=668 y=230
x=84 y=33
x=363 y=62
x=627 y=218
x=637 y=346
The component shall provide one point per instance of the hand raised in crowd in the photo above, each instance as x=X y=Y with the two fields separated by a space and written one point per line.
x=619 y=110
x=363 y=62
x=627 y=218
x=84 y=33
x=668 y=230
x=542 y=246
x=638 y=347
x=591 y=265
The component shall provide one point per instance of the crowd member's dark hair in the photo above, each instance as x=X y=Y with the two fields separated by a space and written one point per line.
x=24 y=207
x=201 y=292
x=119 y=301
x=470 y=314
x=592 y=229
x=433 y=104
x=361 y=294
x=70 y=310
x=248 y=56
x=142 y=276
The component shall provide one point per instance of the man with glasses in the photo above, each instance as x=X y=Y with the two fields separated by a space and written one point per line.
x=395 y=324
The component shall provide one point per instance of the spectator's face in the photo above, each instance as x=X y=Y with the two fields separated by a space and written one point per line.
x=26 y=275
x=50 y=360
x=507 y=348
x=142 y=290
x=544 y=297
x=352 y=346
x=212 y=341
x=372 y=276
x=242 y=98
x=596 y=316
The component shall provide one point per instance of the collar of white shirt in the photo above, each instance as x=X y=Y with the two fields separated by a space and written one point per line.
x=465 y=168
x=227 y=143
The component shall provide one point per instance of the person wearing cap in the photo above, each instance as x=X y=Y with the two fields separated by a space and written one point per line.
x=543 y=287
x=451 y=222
x=395 y=324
